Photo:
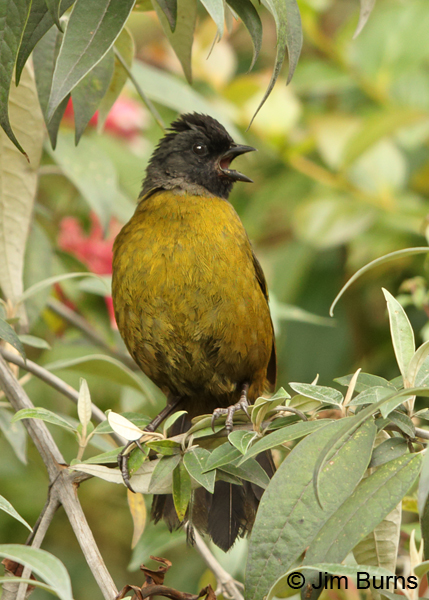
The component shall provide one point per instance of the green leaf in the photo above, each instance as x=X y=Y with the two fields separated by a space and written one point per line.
x=169 y=8
x=54 y=11
x=181 y=490
x=289 y=504
x=84 y=405
x=195 y=462
x=215 y=8
x=33 y=341
x=8 y=508
x=46 y=283
x=371 y=395
x=15 y=434
x=125 y=46
x=44 y=59
x=89 y=92
x=403 y=422
x=423 y=492
x=250 y=17
x=281 y=436
x=99 y=184
x=365 y=381
x=241 y=439
x=421 y=569
x=388 y=450
x=13 y=17
x=18 y=179
x=221 y=455
x=163 y=469
x=289 y=35
x=44 y=415
x=111 y=456
x=135 y=418
x=318 y=392
x=251 y=471
x=172 y=419
x=375 y=263
x=38 y=23
x=182 y=38
x=47 y=566
x=402 y=333
x=83 y=47
x=165 y=447
x=374 y=498
x=104 y=366
x=416 y=363
x=100 y=286
x=8 y=334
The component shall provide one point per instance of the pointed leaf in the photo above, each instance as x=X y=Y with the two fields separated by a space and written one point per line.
x=388 y=450
x=44 y=415
x=125 y=46
x=250 y=17
x=84 y=405
x=54 y=11
x=195 y=463
x=44 y=59
x=47 y=566
x=242 y=439
x=18 y=181
x=38 y=23
x=289 y=503
x=34 y=342
x=83 y=47
x=220 y=456
x=318 y=392
x=163 y=469
x=216 y=10
x=46 y=283
x=281 y=436
x=89 y=92
x=7 y=333
x=370 y=395
x=251 y=471
x=169 y=8
x=182 y=38
x=365 y=381
x=13 y=17
x=416 y=363
x=165 y=447
x=181 y=490
x=172 y=419
x=289 y=35
x=105 y=458
x=366 y=7
x=124 y=427
x=8 y=508
x=138 y=513
x=402 y=333
x=374 y=498
x=375 y=263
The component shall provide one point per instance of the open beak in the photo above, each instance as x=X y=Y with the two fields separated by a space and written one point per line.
x=226 y=159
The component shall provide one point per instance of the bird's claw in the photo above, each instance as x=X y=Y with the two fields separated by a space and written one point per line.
x=123 y=458
x=242 y=404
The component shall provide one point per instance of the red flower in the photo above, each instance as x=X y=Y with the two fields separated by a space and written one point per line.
x=94 y=249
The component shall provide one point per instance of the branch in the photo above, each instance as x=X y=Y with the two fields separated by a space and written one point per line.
x=57 y=383
x=63 y=483
x=82 y=324
x=224 y=579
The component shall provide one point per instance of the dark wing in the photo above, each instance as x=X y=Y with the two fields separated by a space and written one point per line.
x=272 y=365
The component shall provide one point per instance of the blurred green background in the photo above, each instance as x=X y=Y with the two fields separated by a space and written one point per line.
x=341 y=177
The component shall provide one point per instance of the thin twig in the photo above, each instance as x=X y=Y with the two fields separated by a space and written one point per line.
x=63 y=483
x=57 y=383
x=82 y=325
x=224 y=579
x=139 y=90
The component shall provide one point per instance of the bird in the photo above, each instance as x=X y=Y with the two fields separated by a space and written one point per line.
x=191 y=304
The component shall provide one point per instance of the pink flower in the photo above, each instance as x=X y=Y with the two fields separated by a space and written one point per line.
x=94 y=249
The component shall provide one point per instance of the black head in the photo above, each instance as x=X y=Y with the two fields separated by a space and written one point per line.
x=195 y=156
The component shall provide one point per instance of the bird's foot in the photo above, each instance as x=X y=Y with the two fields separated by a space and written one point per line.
x=124 y=456
x=242 y=404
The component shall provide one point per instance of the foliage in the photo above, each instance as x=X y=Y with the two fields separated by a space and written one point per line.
x=341 y=180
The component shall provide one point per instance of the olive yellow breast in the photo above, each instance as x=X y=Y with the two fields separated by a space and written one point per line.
x=187 y=298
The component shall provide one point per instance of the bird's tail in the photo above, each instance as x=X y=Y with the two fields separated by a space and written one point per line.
x=226 y=514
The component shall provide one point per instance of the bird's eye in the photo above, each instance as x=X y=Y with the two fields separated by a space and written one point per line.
x=199 y=149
